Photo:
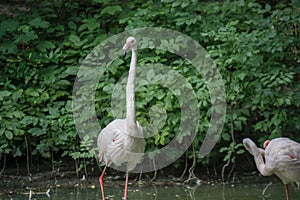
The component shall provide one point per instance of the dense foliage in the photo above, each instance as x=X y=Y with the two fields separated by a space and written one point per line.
x=255 y=46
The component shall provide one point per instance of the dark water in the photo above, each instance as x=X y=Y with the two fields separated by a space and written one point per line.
x=199 y=192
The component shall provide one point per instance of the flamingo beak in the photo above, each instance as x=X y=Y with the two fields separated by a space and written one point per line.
x=125 y=49
x=124 y=53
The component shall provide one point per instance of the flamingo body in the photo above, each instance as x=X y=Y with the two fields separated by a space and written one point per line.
x=115 y=145
x=280 y=157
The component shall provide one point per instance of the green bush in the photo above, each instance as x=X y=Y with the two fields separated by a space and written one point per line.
x=255 y=46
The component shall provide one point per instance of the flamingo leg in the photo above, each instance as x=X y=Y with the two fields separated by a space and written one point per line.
x=126 y=187
x=101 y=182
x=287 y=192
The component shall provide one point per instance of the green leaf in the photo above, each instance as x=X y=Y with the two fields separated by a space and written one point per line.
x=32 y=92
x=18 y=114
x=17 y=152
x=36 y=131
x=2 y=130
x=162 y=140
x=9 y=135
x=8 y=26
x=241 y=151
x=150 y=75
x=39 y=23
x=45 y=45
x=72 y=25
x=17 y=94
x=27 y=37
x=109 y=88
x=4 y=94
x=72 y=70
x=105 y=2
x=75 y=40
x=156 y=138
x=268 y=7
x=8 y=47
x=223 y=149
x=226 y=136
x=111 y=10
x=90 y=24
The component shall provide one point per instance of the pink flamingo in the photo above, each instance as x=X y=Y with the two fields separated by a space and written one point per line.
x=281 y=157
x=121 y=138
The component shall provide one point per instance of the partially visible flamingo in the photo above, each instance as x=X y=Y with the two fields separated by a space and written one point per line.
x=121 y=137
x=281 y=157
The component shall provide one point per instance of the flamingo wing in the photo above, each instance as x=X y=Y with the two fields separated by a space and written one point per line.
x=117 y=147
x=108 y=138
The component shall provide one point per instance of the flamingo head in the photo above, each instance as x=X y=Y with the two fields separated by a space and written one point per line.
x=130 y=44
x=266 y=143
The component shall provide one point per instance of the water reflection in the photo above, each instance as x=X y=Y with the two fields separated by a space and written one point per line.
x=153 y=192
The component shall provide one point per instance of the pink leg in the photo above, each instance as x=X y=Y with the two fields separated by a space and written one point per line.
x=126 y=187
x=287 y=192
x=101 y=182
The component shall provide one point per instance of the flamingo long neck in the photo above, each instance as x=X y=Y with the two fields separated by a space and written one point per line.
x=130 y=96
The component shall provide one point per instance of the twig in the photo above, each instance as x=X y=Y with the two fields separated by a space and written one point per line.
x=192 y=176
x=265 y=189
x=85 y=169
x=230 y=172
x=232 y=146
x=76 y=167
x=27 y=155
x=215 y=169
x=191 y=191
x=186 y=165
x=30 y=195
x=155 y=172
x=223 y=170
x=53 y=161
x=4 y=164
x=155 y=191
x=31 y=192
